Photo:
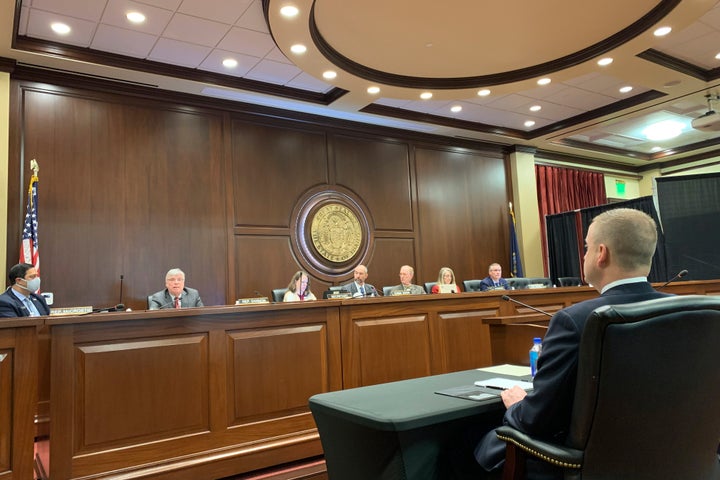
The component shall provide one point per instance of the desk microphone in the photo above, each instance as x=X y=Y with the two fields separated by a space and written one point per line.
x=680 y=275
x=121 y=285
x=258 y=293
x=508 y=299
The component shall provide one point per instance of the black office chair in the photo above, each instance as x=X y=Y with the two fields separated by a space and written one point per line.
x=517 y=283
x=544 y=281
x=428 y=286
x=471 y=285
x=646 y=399
x=278 y=294
x=569 y=281
x=386 y=290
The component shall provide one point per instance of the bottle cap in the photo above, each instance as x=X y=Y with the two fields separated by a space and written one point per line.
x=537 y=340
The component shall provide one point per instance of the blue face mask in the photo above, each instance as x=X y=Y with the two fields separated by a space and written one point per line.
x=32 y=285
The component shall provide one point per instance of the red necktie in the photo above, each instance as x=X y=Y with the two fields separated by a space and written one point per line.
x=177 y=302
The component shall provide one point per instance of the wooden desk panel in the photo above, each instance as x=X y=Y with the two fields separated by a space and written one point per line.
x=18 y=395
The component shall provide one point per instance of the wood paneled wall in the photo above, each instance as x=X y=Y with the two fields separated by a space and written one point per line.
x=136 y=182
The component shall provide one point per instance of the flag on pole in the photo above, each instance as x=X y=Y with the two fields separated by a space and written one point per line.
x=516 y=268
x=29 y=252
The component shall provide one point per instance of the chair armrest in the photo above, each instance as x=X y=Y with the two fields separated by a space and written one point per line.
x=552 y=453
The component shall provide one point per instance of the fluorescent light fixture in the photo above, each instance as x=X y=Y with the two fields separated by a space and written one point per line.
x=60 y=28
x=663 y=130
x=135 y=17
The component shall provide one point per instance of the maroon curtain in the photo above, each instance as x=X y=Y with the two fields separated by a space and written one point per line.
x=565 y=189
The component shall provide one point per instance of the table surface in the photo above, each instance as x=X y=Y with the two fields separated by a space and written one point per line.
x=408 y=404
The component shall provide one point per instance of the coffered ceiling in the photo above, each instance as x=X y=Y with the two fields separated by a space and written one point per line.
x=480 y=63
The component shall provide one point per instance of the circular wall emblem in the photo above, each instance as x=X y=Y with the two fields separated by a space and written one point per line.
x=336 y=232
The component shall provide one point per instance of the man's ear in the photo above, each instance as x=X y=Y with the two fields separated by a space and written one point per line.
x=603 y=257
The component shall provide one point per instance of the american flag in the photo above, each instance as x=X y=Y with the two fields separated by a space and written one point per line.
x=29 y=252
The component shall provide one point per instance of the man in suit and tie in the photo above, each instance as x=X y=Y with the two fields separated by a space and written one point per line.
x=358 y=287
x=620 y=245
x=21 y=299
x=494 y=280
x=176 y=294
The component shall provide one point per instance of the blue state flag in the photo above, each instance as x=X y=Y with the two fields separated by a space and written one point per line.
x=516 y=268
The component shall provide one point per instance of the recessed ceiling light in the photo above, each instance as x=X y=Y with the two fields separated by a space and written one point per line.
x=717 y=56
x=544 y=81
x=655 y=149
x=329 y=74
x=662 y=31
x=230 y=63
x=373 y=90
x=603 y=62
x=535 y=108
x=426 y=95
x=455 y=108
x=664 y=130
x=625 y=89
x=529 y=123
x=484 y=92
x=135 y=17
x=298 y=48
x=60 y=28
x=289 y=11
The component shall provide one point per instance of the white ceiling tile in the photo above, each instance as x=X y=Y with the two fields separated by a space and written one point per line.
x=39 y=26
x=305 y=81
x=276 y=55
x=156 y=19
x=222 y=11
x=273 y=72
x=392 y=102
x=86 y=9
x=511 y=102
x=253 y=18
x=22 y=24
x=195 y=30
x=245 y=41
x=712 y=18
x=580 y=99
x=700 y=51
x=123 y=42
x=179 y=53
x=213 y=63
x=171 y=5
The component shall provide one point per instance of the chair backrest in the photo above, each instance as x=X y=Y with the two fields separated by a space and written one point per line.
x=647 y=390
x=517 y=283
x=386 y=290
x=544 y=281
x=278 y=294
x=149 y=300
x=472 y=285
x=569 y=281
x=428 y=286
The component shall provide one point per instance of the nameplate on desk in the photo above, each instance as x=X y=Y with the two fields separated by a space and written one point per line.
x=340 y=295
x=537 y=285
x=251 y=301
x=400 y=292
x=70 y=311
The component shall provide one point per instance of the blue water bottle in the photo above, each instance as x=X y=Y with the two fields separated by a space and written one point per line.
x=534 y=354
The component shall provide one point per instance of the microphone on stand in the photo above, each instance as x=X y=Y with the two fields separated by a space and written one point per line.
x=258 y=293
x=121 y=285
x=680 y=275
x=508 y=299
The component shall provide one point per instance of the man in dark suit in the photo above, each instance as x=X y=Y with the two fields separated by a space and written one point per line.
x=20 y=299
x=175 y=295
x=494 y=280
x=358 y=287
x=619 y=247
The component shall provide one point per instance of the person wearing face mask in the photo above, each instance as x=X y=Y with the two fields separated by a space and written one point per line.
x=21 y=299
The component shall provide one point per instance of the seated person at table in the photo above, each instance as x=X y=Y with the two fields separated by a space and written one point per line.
x=406 y=287
x=20 y=299
x=620 y=246
x=176 y=294
x=358 y=287
x=299 y=288
x=446 y=278
x=494 y=280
